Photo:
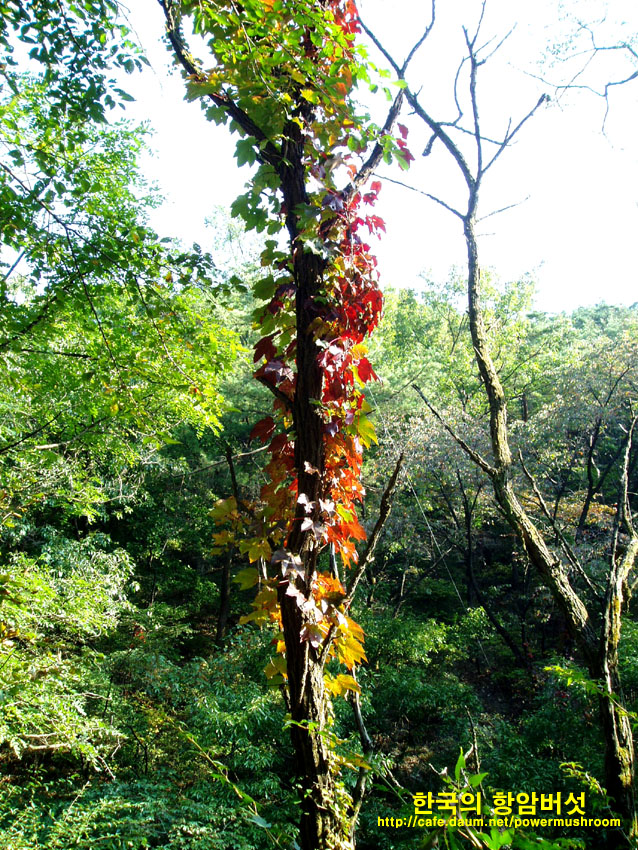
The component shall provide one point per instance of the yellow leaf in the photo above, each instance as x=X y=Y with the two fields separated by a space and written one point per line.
x=258 y=616
x=359 y=350
x=256 y=549
x=348 y=683
x=310 y=95
x=224 y=509
x=276 y=666
x=340 y=684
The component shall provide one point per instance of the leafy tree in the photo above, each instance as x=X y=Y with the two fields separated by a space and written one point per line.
x=105 y=331
x=597 y=637
x=283 y=76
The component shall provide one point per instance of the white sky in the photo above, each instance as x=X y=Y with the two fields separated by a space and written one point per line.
x=576 y=232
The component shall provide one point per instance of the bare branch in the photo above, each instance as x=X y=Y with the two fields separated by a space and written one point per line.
x=544 y=98
x=55 y=353
x=497 y=48
x=367 y=747
x=456 y=92
x=381 y=48
x=13 y=266
x=418 y=44
x=474 y=455
x=438 y=129
x=219 y=462
x=377 y=152
x=384 y=513
x=434 y=126
x=503 y=209
x=474 y=65
x=567 y=549
x=478 y=26
x=421 y=192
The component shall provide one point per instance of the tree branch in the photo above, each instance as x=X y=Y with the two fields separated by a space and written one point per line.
x=276 y=391
x=377 y=152
x=567 y=549
x=421 y=192
x=475 y=456
x=265 y=150
x=384 y=512
x=544 y=98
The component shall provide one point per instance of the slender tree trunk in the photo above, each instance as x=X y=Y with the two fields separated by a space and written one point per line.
x=323 y=806
x=619 y=748
x=323 y=815
x=224 y=602
x=600 y=653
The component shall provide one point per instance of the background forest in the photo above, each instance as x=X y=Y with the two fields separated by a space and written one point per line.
x=139 y=704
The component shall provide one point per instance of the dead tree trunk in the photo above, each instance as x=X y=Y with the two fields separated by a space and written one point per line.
x=599 y=650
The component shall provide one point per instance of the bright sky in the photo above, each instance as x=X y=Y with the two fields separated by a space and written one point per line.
x=576 y=228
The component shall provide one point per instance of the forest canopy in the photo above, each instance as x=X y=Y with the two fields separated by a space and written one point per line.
x=292 y=557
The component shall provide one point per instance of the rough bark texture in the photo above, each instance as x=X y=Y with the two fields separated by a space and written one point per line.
x=322 y=822
x=600 y=652
x=327 y=820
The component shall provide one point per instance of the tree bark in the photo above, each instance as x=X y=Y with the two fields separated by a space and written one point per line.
x=224 y=602
x=323 y=805
x=599 y=652
x=323 y=822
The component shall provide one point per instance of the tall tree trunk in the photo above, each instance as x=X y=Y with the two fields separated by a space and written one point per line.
x=619 y=746
x=324 y=822
x=600 y=652
x=224 y=601
x=327 y=814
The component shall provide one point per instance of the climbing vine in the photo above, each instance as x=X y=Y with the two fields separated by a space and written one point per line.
x=284 y=77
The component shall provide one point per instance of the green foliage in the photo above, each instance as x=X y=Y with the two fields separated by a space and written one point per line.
x=78 y=45
x=110 y=336
x=132 y=714
x=54 y=608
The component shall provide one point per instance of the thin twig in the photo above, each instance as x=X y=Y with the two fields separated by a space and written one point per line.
x=474 y=455
x=420 y=192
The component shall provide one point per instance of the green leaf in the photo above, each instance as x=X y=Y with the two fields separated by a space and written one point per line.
x=365 y=431
x=257 y=819
x=245 y=151
x=247 y=578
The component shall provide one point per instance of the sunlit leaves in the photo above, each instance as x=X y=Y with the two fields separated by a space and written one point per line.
x=291 y=68
x=341 y=684
x=276 y=670
x=247 y=578
x=350 y=645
